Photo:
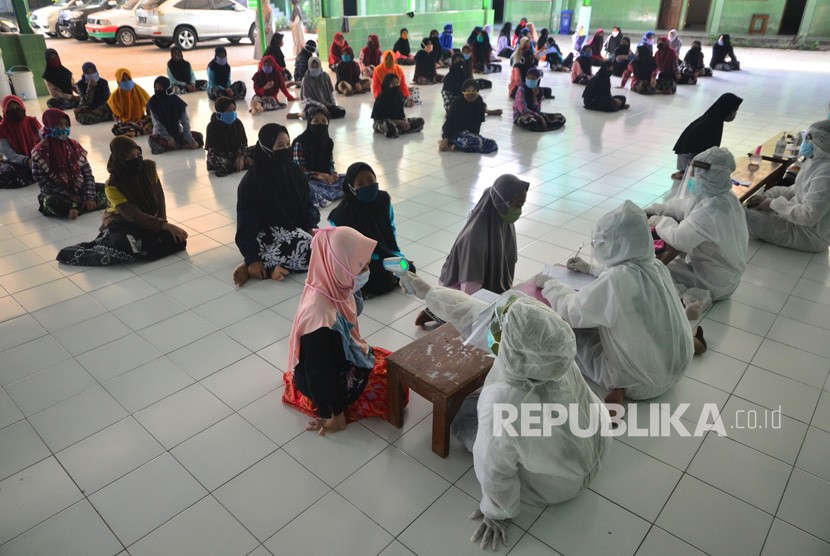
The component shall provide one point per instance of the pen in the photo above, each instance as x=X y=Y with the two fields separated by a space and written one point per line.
x=578 y=251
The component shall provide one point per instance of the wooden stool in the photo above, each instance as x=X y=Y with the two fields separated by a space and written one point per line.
x=753 y=24
x=442 y=370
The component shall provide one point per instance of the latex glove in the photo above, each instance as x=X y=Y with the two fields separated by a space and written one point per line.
x=492 y=532
x=416 y=283
x=764 y=205
x=579 y=264
x=755 y=201
x=654 y=219
x=542 y=279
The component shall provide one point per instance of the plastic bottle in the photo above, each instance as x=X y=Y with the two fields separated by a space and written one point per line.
x=755 y=159
x=781 y=146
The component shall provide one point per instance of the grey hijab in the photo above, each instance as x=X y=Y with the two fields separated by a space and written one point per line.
x=485 y=250
x=317 y=90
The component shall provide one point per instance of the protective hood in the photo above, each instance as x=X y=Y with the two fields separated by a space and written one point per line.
x=820 y=132
x=717 y=179
x=622 y=235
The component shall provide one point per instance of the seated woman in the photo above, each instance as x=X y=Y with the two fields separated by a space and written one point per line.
x=469 y=68
x=705 y=132
x=643 y=72
x=368 y=210
x=609 y=48
x=674 y=41
x=402 y=50
x=482 y=54
x=61 y=169
x=275 y=49
x=622 y=56
x=648 y=41
x=19 y=134
x=349 y=80
x=597 y=93
x=274 y=212
x=135 y=225
x=63 y=93
x=440 y=57
x=370 y=56
x=461 y=131
x=523 y=60
x=95 y=92
x=596 y=47
x=798 y=217
x=693 y=65
x=388 y=113
x=453 y=81
x=632 y=336
x=445 y=40
x=425 y=73
x=668 y=68
x=552 y=55
x=171 y=126
x=720 y=51
x=219 y=78
x=317 y=90
x=181 y=76
x=503 y=43
x=268 y=83
x=386 y=68
x=527 y=106
x=301 y=61
x=226 y=142
x=338 y=43
x=314 y=154
x=582 y=69
x=129 y=105
x=709 y=226
x=334 y=375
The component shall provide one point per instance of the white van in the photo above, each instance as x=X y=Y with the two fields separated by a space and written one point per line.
x=45 y=20
x=186 y=22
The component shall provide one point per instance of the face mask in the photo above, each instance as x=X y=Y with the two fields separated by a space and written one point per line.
x=720 y=43
x=282 y=156
x=221 y=61
x=58 y=133
x=318 y=129
x=346 y=58
x=531 y=83
x=650 y=42
x=360 y=280
x=91 y=76
x=226 y=117
x=511 y=215
x=269 y=69
x=690 y=184
x=134 y=165
x=466 y=56
x=54 y=63
x=405 y=36
x=315 y=72
x=480 y=38
x=492 y=344
x=586 y=54
x=126 y=85
x=470 y=95
x=368 y=193
x=806 y=149
x=615 y=33
x=15 y=116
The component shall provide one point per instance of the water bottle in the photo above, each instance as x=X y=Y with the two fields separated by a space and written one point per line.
x=755 y=159
x=780 y=146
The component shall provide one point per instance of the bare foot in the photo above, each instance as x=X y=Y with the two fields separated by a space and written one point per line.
x=73 y=214
x=240 y=275
x=615 y=396
x=279 y=274
x=323 y=426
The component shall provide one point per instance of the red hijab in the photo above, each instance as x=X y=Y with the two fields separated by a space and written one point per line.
x=60 y=158
x=666 y=56
x=22 y=136
x=336 y=50
x=371 y=52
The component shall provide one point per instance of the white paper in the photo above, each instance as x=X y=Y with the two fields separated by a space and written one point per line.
x=572 y=279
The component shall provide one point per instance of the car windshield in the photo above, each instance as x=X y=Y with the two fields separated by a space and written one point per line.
x=152 y=4
x=130 y=4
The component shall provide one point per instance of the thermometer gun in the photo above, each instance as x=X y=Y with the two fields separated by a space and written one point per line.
x=398 y=266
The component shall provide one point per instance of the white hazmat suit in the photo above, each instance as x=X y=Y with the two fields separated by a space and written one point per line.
x=631 y=332
x=798 y=217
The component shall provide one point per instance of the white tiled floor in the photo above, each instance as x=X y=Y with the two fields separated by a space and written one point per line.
x=140 y=405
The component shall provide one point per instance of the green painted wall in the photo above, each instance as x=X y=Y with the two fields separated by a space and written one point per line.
x=539 y=12
x=630 y=15
x=26 y=50
x=737 y=14
x=384 y=7
x=819 y=23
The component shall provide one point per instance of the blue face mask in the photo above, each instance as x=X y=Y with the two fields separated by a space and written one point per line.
x=466 y=56
x=360 y=280
x=720 y=43
x=587 y=53
x=531 y=83
x=690 y=184
x=806 y=149
x=91 y=76
x=267 y=69
x=367 y=194
x=221 y=61
x=57 y=133
x=315 y=72
x=126 y=85
x=480 y=38
x=346 y=58
x=226 y=117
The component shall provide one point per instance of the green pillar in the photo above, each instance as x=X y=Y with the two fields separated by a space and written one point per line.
x=21 y=12
x=713 y=25
x=807 y=20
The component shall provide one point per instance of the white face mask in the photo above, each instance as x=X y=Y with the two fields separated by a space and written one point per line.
x=615 y=33
x=315 y=72
x=360 y=280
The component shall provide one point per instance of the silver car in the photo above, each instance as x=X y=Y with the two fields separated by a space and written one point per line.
x=186 y=22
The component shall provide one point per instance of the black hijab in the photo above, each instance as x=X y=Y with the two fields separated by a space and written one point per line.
x=275 y=188
x=318 y=148
x=167 y=108
x=455 y=77
x=437 y=50
x=139 y=189
x=644 y=64
x=389 y=104
x=599 y=86
x=57 y=74
x=274 y=49
x=221 y=74
x=585 y=63
x=373 y=219
x=402 y=44
x=464 y=115
x=482 y=50
x=179 y=69
x=472 y=38
x=694 y=56
x=102 y=89
x=222 y=137
x=707 y=131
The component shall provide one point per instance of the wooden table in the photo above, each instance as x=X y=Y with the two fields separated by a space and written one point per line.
x=442 y=370
x=768 y=173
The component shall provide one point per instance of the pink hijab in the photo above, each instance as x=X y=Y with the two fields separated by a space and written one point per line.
x=338 y=255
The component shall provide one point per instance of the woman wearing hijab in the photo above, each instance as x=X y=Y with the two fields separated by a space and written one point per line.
x=648 y=41
x=402 y=50
x=180 y=73
x=596 y=47
x=612 y=42
x=720 y=51
x=503 y=43
x=694 y=65
x=386 y=68
x=517 y=32
x=63 y=92
x=522 y=61
x=445 y=40
x=61 y=169
x=582 y=69
x=317 y=90
x=622 y=56
x=334 y=375
x=301 y=61
x=370 y=56
x=338 y=43
x=527 y=106
x=314 y=154
x=297 y=27
x=674 y=41
x=643 y=72
x=274 y=212
x=226 y=142
x=268 y=83
x=453 y=81
x=95 y=91
x=368 y=209
x=597 y=93
x=171 y=126
x=128 y=104
x=134 y=225
x=19 y=134
x=349 y=77
x=469 y=68
x=275 y=49
x=387 y=113
x=425 y=73
x=668 y=68
x=705 y=132
x=482 y=53
x=579 y=38
x=268 y=30
x=462 y=128
x=219 y=78
x=553 y=56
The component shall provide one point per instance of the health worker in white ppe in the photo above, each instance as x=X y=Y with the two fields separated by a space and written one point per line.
x=632 y=336
x=706 y=223
x=798 y=216
x=534 y=364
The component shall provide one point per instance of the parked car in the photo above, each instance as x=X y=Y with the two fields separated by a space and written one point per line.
x=75 y=19
x=45 y=20
x=8 y=26
x=115 y=26
x=186 y=22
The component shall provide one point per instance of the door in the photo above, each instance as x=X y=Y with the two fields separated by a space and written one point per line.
x=349 y=7
x=669 y=17
x=791 y=19
x=697 y=14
